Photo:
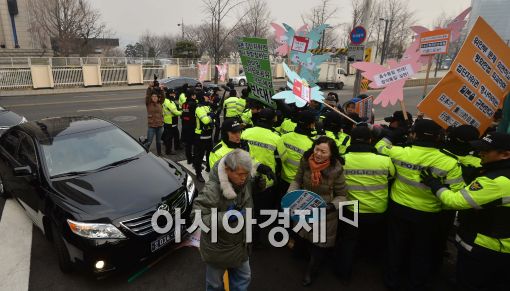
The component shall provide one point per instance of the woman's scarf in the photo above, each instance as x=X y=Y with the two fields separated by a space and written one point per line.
x=316 y=170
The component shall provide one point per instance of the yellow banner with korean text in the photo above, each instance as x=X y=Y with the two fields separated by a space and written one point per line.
x=477 y=83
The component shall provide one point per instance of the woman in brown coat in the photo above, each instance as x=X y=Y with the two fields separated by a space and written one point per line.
x=154 y=103
x=321 y=172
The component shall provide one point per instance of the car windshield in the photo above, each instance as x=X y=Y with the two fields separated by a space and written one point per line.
x=89 y=150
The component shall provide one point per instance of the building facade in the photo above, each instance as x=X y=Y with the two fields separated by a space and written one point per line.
x=495 y=12
x=16 y=37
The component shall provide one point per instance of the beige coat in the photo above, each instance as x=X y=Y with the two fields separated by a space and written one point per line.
x=332 y=189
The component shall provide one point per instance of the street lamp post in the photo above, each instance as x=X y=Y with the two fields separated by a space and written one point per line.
x=385 y=40
x=378 y=37
x=182 y=27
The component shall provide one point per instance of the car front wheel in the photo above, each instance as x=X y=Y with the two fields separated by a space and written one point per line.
x=64 y=260
x=242 y=82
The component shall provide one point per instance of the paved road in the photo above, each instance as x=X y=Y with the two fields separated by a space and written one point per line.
x=29 y=262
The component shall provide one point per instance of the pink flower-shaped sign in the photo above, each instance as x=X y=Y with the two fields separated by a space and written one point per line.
x=392 y=79
x=222 y=71
x=203 y=70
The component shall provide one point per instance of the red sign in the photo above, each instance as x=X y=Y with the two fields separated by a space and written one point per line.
x=301 y=90
x=300 y=44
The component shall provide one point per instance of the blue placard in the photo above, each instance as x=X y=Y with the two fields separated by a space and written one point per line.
x=358 y=35
x=301 y=200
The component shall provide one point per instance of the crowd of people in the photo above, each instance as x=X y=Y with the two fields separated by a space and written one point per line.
x=414 y=183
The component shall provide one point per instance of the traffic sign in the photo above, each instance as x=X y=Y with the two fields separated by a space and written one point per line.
x=358 y=35
x=356 y=53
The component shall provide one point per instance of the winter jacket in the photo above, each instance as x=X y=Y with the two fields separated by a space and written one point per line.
x=332 y=189
x=230 y=250
x=154 y=112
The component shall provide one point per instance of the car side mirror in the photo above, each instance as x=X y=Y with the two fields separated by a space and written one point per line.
x=22 y=171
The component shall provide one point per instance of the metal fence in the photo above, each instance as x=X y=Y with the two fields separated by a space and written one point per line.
x=14 y=78
x=67 y=76
x=114 y=75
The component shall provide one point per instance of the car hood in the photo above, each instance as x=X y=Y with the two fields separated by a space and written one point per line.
x=126 y=189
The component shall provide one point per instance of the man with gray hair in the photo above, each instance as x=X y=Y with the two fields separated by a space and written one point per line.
x=229 y=191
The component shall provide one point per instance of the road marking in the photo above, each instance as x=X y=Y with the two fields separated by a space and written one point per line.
x=16 y=247
x=108 y=108
x=71 y=102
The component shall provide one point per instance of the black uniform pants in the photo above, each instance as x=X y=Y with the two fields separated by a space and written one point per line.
x=202 y=147
x=188 y=137
x=369 y=236
x=482 y=269
x=171 y=134
x=412 y=243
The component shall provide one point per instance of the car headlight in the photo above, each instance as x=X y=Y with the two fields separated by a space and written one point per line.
x=95 y=230
x=190 y=187
x=23 y=120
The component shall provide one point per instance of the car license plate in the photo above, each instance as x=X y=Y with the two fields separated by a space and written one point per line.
x=162 y=241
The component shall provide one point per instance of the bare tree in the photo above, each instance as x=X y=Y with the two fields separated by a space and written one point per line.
x=324 y=13
x=399 y=18
x=68 y=23
x=217 y=33
x=256 y=22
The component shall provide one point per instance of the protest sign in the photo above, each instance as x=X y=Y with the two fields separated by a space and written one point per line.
x=255 y=59
x=222 y=71
x=364 y=107
x=435 y=42
x=203 y=72
x=302 y=200
x=477 y=83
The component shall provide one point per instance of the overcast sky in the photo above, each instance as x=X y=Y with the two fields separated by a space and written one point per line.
x=128 y=19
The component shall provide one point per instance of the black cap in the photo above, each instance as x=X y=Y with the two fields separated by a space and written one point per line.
x=493 y=141
x=232 y=125
x=170 y=91
x=305 y=117
x=426 y=127
x=266 y=114
x=399 y=116
x=361 y=134
x=463 y=133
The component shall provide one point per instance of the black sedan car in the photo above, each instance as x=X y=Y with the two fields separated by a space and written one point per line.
x=92 y=189
x=177 y=82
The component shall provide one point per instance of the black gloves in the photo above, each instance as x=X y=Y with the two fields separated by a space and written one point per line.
x=433 y=182
x=266 y=170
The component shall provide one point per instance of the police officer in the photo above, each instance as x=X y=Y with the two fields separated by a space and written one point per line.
x=458 y=143
x=183 y=94
x=241 y=103
x=230 y=139
x=266 y=147
x=171 y=119
x=483 y=236
x=413 y=211
x=399 y=126
x=254 y=107
x=296 y=144
x=368 y=176
x=203 y=136
x=333 y=124
x=189 y=123
x=230 y=105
